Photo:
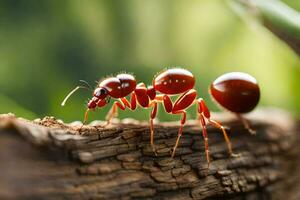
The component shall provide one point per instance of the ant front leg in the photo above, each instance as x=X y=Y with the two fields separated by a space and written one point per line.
x=122 y=103
x=85 y=117
x=114 y=111
x=132 y=104
x=84 y=120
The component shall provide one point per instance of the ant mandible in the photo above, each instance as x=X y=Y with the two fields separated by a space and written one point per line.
x=169 y=82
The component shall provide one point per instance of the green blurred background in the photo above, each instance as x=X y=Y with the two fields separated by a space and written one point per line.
x=47 y=46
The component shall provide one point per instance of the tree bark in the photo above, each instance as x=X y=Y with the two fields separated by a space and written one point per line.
x=47 y=159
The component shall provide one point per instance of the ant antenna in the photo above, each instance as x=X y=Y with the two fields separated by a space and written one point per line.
x=72 y=92
x=85 y=82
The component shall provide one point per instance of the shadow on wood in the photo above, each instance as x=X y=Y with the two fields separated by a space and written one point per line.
x=47 y=159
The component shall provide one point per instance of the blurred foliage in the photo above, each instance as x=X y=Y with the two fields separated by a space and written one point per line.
x=280 y=19
x=47 y=46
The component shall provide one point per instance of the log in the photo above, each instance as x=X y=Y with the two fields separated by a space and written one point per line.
x=49 y=159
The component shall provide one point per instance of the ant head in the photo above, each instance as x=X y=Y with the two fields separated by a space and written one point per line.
x=100 y=98
x=100 y=93
x=94 y=102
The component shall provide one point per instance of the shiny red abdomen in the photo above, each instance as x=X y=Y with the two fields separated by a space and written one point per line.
x=119 y=86
x=236 y=91
x=174 y=81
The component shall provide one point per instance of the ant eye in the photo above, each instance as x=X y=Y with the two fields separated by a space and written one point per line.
x=100 y=93
x=103 y=91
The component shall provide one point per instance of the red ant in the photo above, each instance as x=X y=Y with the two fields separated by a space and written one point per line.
x=174 y=81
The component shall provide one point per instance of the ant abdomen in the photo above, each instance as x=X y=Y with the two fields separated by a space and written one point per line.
x=236 y=91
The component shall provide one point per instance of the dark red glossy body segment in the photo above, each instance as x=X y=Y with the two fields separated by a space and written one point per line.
x=185 y=101
x=92 y=103
x=203 y=108
x=174 y=81
x=142 y=97
x=237 y=92
x=128 y=83
x=167 y=103
x=119 y=86
x=151 y=92
x=101 y=103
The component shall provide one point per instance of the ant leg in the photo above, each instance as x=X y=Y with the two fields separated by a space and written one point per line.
x=153 y=104
x=85 y=117
x=113 y=111
x=246 y=124
x=182 y=122
x=133 y=101
x=205 y=137
x=84 y=120
x=179 y=107
x=122 y=103
x=132 y=104
x=229 y=145
x=202 y=108
x=143 y=99
x=152 y=117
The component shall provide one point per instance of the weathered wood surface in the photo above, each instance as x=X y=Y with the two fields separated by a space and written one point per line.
x=47 y=159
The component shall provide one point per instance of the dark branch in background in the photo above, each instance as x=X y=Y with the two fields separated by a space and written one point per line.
x=47 y=159
x=280 y=19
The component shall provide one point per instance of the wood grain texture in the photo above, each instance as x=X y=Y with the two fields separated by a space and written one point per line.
x=47 y=159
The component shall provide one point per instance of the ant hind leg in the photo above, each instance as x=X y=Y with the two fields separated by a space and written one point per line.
x=203 y=110
x=246 y=124
x=228 y=142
